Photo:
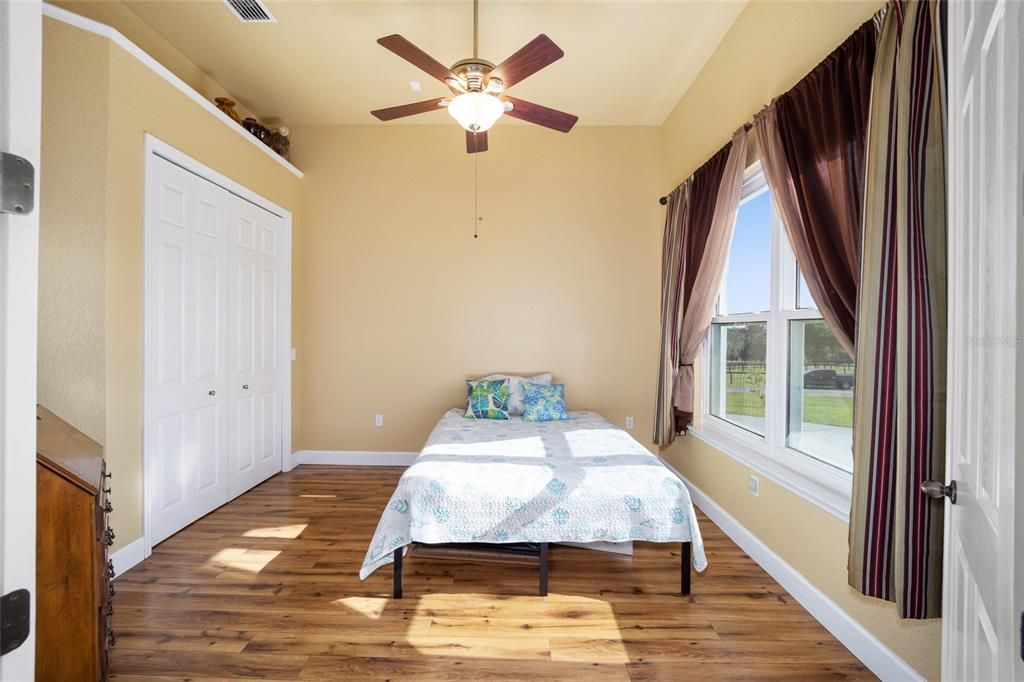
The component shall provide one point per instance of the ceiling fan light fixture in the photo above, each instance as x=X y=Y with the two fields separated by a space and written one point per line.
x=476 y=111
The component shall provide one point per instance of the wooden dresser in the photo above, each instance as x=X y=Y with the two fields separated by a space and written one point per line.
x=73 y=573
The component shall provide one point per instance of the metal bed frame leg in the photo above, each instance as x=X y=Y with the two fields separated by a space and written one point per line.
x=684 y=587
x=398 y=574
x=543 y=588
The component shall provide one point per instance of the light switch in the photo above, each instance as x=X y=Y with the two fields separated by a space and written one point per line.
x=753 y=485
x=629 y=422
x=379 y=420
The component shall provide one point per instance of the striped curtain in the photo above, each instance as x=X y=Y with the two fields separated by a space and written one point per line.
x=900 y=396
x=671 y=310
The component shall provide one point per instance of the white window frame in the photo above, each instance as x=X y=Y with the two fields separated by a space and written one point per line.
x=822 y=484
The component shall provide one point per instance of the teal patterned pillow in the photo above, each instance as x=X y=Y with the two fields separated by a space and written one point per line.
x=487 y=399
x=544 y=402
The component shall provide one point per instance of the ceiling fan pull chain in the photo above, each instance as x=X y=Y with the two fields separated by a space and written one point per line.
x=476 y=195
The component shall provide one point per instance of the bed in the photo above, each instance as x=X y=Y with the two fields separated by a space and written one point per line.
x=517 y=486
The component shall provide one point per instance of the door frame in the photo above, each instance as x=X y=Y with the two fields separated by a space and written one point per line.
x=155 y=147
x=20 y=106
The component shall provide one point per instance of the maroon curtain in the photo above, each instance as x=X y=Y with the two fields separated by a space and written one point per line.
x=812 y=149
x=705 y=185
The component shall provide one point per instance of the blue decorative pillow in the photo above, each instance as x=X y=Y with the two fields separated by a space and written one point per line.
x=544 y=402
x=487 y=399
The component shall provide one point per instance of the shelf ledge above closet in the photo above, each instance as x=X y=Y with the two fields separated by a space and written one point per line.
x=67 y=17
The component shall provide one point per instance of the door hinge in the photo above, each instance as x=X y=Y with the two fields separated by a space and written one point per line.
x=17 y=184
x=14 y=620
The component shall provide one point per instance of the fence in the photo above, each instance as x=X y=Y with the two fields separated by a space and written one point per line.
x=749 y=371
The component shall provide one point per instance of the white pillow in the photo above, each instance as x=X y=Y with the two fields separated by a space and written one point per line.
x=515 y=389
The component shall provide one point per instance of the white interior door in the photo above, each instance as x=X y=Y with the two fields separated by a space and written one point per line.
x=981 y=603
x=255 y=395
x=186 y=369
x=20 y=76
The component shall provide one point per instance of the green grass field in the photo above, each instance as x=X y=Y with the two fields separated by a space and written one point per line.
x=818 y=409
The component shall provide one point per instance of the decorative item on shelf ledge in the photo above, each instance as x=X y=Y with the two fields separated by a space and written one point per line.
x=276 y=139
x=227 y=105
x=279 y=141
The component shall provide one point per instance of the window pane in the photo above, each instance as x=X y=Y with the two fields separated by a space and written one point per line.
x=738 y=354
x=748 y=274
x=803 y=294
x=820 y=395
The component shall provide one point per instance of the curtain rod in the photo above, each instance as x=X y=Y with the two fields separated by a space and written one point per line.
x=664 y=200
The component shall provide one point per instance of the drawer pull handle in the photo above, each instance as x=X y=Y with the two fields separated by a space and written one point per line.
x=108 y=536
x=108 y=507
x=111 y=639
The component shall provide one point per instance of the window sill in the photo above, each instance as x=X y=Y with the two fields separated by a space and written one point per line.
x=820 y=484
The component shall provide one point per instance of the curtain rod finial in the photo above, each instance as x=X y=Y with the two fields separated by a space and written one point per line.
x=663 y=200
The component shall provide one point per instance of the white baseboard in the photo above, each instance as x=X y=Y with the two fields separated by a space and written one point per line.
x=128 y=556
x=354 y=458
x=880 y=659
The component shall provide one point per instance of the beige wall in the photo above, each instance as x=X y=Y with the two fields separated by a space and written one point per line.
x=401 y=303
x=72 y=239
x=137 y=101
x=769 y=48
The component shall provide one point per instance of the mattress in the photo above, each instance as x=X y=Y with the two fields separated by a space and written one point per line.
x=503 y=481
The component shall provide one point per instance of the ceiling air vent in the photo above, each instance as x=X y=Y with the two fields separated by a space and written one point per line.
x=250 y=11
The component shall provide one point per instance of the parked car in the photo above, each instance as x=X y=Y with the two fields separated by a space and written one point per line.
x=827 y=378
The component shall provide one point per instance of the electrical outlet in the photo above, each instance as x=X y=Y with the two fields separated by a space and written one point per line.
x=378 y=420
x=753 y=485
x=629 y=422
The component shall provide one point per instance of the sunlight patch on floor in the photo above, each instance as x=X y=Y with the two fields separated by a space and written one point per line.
x=510 y=624
x=287 y=532
x=249 y=560
x=371 y=607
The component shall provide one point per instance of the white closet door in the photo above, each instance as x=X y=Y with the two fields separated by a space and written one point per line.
x=255 y=393
x=186 y=330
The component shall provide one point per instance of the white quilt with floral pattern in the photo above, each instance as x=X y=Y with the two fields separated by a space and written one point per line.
x=498 y=481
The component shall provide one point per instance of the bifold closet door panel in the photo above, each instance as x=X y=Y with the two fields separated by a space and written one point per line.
x=255 y=395
x=186 y=419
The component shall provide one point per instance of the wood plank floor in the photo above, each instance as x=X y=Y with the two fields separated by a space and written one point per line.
x=267 y=587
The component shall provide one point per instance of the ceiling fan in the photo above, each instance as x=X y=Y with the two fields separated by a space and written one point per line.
x=478 y=87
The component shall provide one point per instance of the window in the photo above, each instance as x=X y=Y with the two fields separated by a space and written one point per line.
x=738 y=341
x=778 y=386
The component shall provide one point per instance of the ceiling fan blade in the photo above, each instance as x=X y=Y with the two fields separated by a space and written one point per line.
x=415 y=56
x=541 y=115
x=476 y=142
x=530 y=59
x=392 y=113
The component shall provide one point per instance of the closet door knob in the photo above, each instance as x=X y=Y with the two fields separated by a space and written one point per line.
x=213 y=392
x=245 y=386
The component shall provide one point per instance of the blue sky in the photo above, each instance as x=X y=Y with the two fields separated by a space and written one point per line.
x=748 y=279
